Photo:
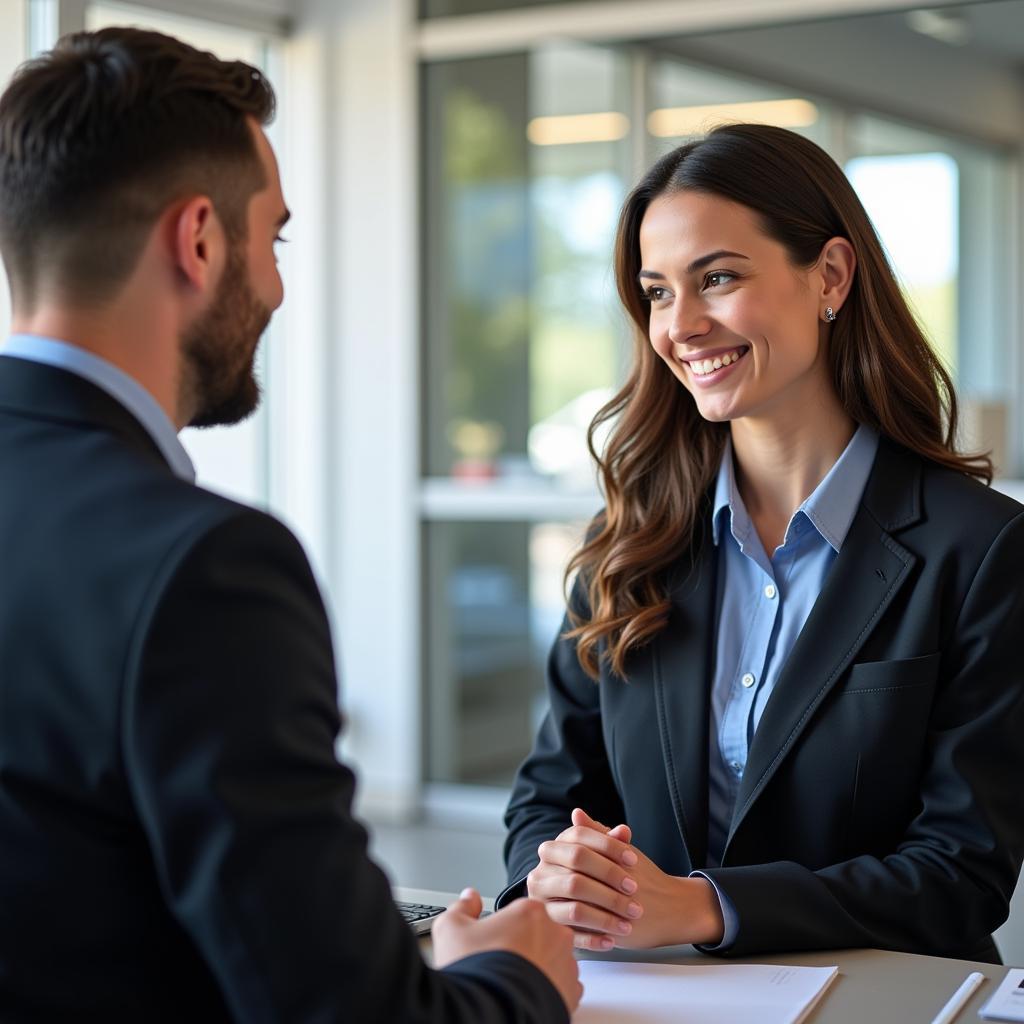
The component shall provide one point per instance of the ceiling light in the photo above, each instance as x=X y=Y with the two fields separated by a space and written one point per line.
x=569 y=129
x=945 y=26
x=670 y=122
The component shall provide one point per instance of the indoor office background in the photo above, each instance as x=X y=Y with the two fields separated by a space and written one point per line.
x=455 y=169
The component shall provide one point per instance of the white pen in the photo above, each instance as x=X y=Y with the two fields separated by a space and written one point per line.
x=958 y=1000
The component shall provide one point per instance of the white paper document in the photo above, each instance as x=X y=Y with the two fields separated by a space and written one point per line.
x=646 y=993
x=1008 y=1001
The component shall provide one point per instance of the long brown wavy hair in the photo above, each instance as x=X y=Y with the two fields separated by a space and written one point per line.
x=662 y=456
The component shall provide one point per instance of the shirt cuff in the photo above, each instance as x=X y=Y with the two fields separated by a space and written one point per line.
x=729 y=916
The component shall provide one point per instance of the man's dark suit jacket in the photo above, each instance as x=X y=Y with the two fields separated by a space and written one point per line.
x=176 y=836
x=882 y=803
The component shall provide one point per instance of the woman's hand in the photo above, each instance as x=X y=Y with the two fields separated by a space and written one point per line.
x=610 y=893
x=676 y=910
x=584 y=878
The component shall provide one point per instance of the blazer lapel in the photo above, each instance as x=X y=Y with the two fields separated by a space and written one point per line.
x=867 y=574
x=681 y=662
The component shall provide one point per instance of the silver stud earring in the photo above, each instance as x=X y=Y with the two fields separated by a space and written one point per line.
x=830 y=314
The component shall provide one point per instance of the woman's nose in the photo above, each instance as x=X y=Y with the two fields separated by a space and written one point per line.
x=689 y=320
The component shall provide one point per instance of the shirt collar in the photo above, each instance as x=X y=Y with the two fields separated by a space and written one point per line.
x=116 y=383
x=727 y=495
x=833 y=503
x=831 y=506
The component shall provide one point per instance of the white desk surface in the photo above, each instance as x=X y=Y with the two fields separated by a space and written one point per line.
x=873 y=987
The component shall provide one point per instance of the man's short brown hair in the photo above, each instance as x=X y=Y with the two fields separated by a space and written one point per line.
x=100 y=135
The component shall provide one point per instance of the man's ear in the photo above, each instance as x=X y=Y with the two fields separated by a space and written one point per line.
x=197 y=239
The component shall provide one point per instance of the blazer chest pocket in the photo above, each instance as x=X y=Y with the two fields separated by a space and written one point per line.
x=883 y=676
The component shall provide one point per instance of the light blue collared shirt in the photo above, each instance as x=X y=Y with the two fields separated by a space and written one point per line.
x=116 y=383
x=763 y=604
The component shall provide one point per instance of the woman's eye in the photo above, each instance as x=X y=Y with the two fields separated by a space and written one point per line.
x=717 y=278
x=655 y=294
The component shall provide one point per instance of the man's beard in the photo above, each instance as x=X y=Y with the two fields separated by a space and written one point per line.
x=218 y=350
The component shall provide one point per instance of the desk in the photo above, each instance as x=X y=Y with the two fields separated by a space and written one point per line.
x=873 y=986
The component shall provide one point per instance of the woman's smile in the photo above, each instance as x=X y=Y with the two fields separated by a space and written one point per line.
x=710 y=366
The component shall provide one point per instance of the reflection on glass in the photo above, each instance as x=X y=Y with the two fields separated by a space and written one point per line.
x=476 y=267
x=912 y=201
x=576 y=190
x=527 y=163
x=688 y=100
x=494 y=606
x=935 y=201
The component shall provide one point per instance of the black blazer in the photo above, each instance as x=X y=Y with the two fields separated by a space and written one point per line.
x=176 y=836
x=883 y=799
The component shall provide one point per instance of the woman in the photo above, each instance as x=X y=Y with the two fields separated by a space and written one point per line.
x=790 y=669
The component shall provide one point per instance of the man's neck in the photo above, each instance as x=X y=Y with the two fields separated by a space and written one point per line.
x=112 y=335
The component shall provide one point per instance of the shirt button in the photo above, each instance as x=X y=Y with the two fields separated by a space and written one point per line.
x=747 y=680
x=736 y=767
x=769 y=591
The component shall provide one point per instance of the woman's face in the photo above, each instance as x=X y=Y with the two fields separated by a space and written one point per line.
x=730 y=315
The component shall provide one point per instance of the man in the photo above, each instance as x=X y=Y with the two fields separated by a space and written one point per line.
x=176 y=836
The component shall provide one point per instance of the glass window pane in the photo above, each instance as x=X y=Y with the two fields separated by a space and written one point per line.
x=527 y=163
x=494 y=605
x=687 y=100
x=936 y=203
x=477 y=263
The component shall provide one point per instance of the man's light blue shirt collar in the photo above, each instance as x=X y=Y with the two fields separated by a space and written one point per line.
x=831 y=506
x=116 y=383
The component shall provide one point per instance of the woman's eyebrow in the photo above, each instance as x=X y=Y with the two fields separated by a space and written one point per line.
x=697 y=264
x=703 y=261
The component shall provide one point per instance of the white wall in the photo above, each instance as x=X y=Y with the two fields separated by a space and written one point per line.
x=353 y=187
x=268 y=15
x=13 y=37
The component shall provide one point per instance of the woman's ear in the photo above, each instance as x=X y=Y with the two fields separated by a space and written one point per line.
x=837 y=265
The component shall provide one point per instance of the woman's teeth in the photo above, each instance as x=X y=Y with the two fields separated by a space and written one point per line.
x=701 y=367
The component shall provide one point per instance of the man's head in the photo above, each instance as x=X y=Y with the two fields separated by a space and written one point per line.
x=122 y=144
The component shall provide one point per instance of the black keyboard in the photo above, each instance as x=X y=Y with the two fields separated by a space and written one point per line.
x=418 y=915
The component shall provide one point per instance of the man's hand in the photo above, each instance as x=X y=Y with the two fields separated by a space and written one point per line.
x=524 y=927
x=611 y=894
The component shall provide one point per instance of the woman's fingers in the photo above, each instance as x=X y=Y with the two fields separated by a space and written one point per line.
x=621 y=832
x=604 y=843
x=584 y=860
x=558 y=884
x=587 y=917
x=583 y=880
x=581 y=818
x=584 y=820
x=593 y=940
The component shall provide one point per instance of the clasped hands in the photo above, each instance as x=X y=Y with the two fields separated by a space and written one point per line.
x=610 y=894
